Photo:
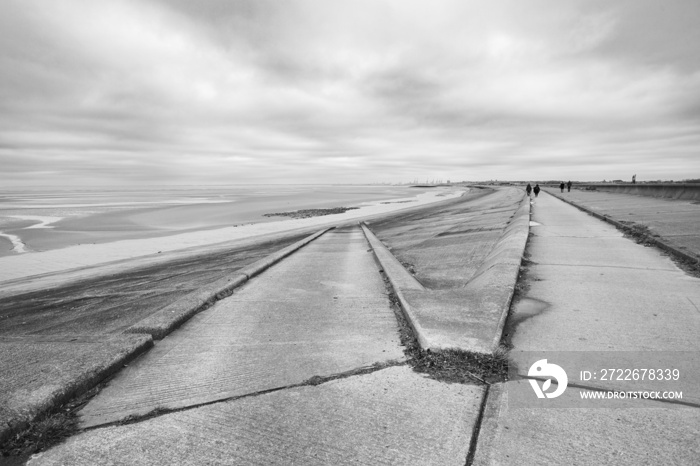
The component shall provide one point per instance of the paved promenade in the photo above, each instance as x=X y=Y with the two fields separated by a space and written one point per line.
x=303 y=364
x=322 y=315
x=592 y=290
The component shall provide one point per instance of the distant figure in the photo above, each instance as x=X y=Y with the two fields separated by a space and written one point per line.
x=634 y=179
x=528 y=189
x=536 y=190
x=561 y=186
x=568 y=186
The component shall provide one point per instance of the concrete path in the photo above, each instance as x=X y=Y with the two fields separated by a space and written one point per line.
x=322 y=311
x=302 y=365
x=591 y=290
x=391 y=416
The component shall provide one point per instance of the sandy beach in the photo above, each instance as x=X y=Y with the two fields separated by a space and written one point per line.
x=16 y=268
x=42 y=220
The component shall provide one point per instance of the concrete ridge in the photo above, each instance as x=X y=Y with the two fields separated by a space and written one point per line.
x=470 y=318
x=128 y=347
x=161 y=323
x=626 y=228
x=509 y=251
x=400 y=278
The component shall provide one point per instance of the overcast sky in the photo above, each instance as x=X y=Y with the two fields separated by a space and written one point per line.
x=97 y=92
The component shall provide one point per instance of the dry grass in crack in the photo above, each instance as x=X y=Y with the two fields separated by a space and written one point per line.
x=134 y=418
x=410 y=267
x=641 y=234
x=461 y=366
x=50 y=428
x=44 y=432
x=637 y=232
x=521 y=289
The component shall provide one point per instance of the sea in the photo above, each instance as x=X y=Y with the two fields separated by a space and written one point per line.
x=42 y=219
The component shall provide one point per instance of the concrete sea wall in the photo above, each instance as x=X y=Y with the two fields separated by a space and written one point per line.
x=687 y=191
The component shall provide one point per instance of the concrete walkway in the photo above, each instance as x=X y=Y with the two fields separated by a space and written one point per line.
x=322 y=311
x=590 y=291
x=302 y=365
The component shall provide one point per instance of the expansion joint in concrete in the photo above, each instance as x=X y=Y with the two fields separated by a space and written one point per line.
x=600 y=266
x=312 y=381
x=474 y=441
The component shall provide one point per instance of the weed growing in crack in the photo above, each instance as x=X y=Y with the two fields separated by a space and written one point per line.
x=461 y=366
x=48 y=429
x=410 y=267
x=42 y=433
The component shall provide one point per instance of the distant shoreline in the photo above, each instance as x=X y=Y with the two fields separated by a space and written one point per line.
x=17 y=267
x=51 y=220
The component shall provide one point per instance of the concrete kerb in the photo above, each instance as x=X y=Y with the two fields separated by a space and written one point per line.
x=626 y=228
x=89 y=377
x=400 y=279
x=169 y=318
x=494 y=282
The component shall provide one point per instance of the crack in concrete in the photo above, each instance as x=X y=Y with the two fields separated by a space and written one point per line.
x=598 y=266
x=310 y=382
x=474 y=442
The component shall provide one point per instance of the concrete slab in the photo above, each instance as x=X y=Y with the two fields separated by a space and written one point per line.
x=391 y=416
x=322 y=311
x=471 y=277
x=159 y=324
x=40 y=372
x=602 y=291
x=172 y=316
x=447 y=245
x=611 y=309
x=625 y=436
x=596 y=293
x=459 y=319
x=451 y=262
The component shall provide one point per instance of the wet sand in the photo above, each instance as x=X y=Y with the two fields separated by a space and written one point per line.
x=18 y=267
x=43 y=221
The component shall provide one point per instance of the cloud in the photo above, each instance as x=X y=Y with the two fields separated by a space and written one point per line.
x=173 y=91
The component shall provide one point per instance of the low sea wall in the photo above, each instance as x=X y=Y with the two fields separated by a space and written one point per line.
x=686 y=191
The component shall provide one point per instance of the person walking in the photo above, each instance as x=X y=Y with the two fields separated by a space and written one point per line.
x=536 y=189
x=561 y=186
x=568 y=186
x=528 y=189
